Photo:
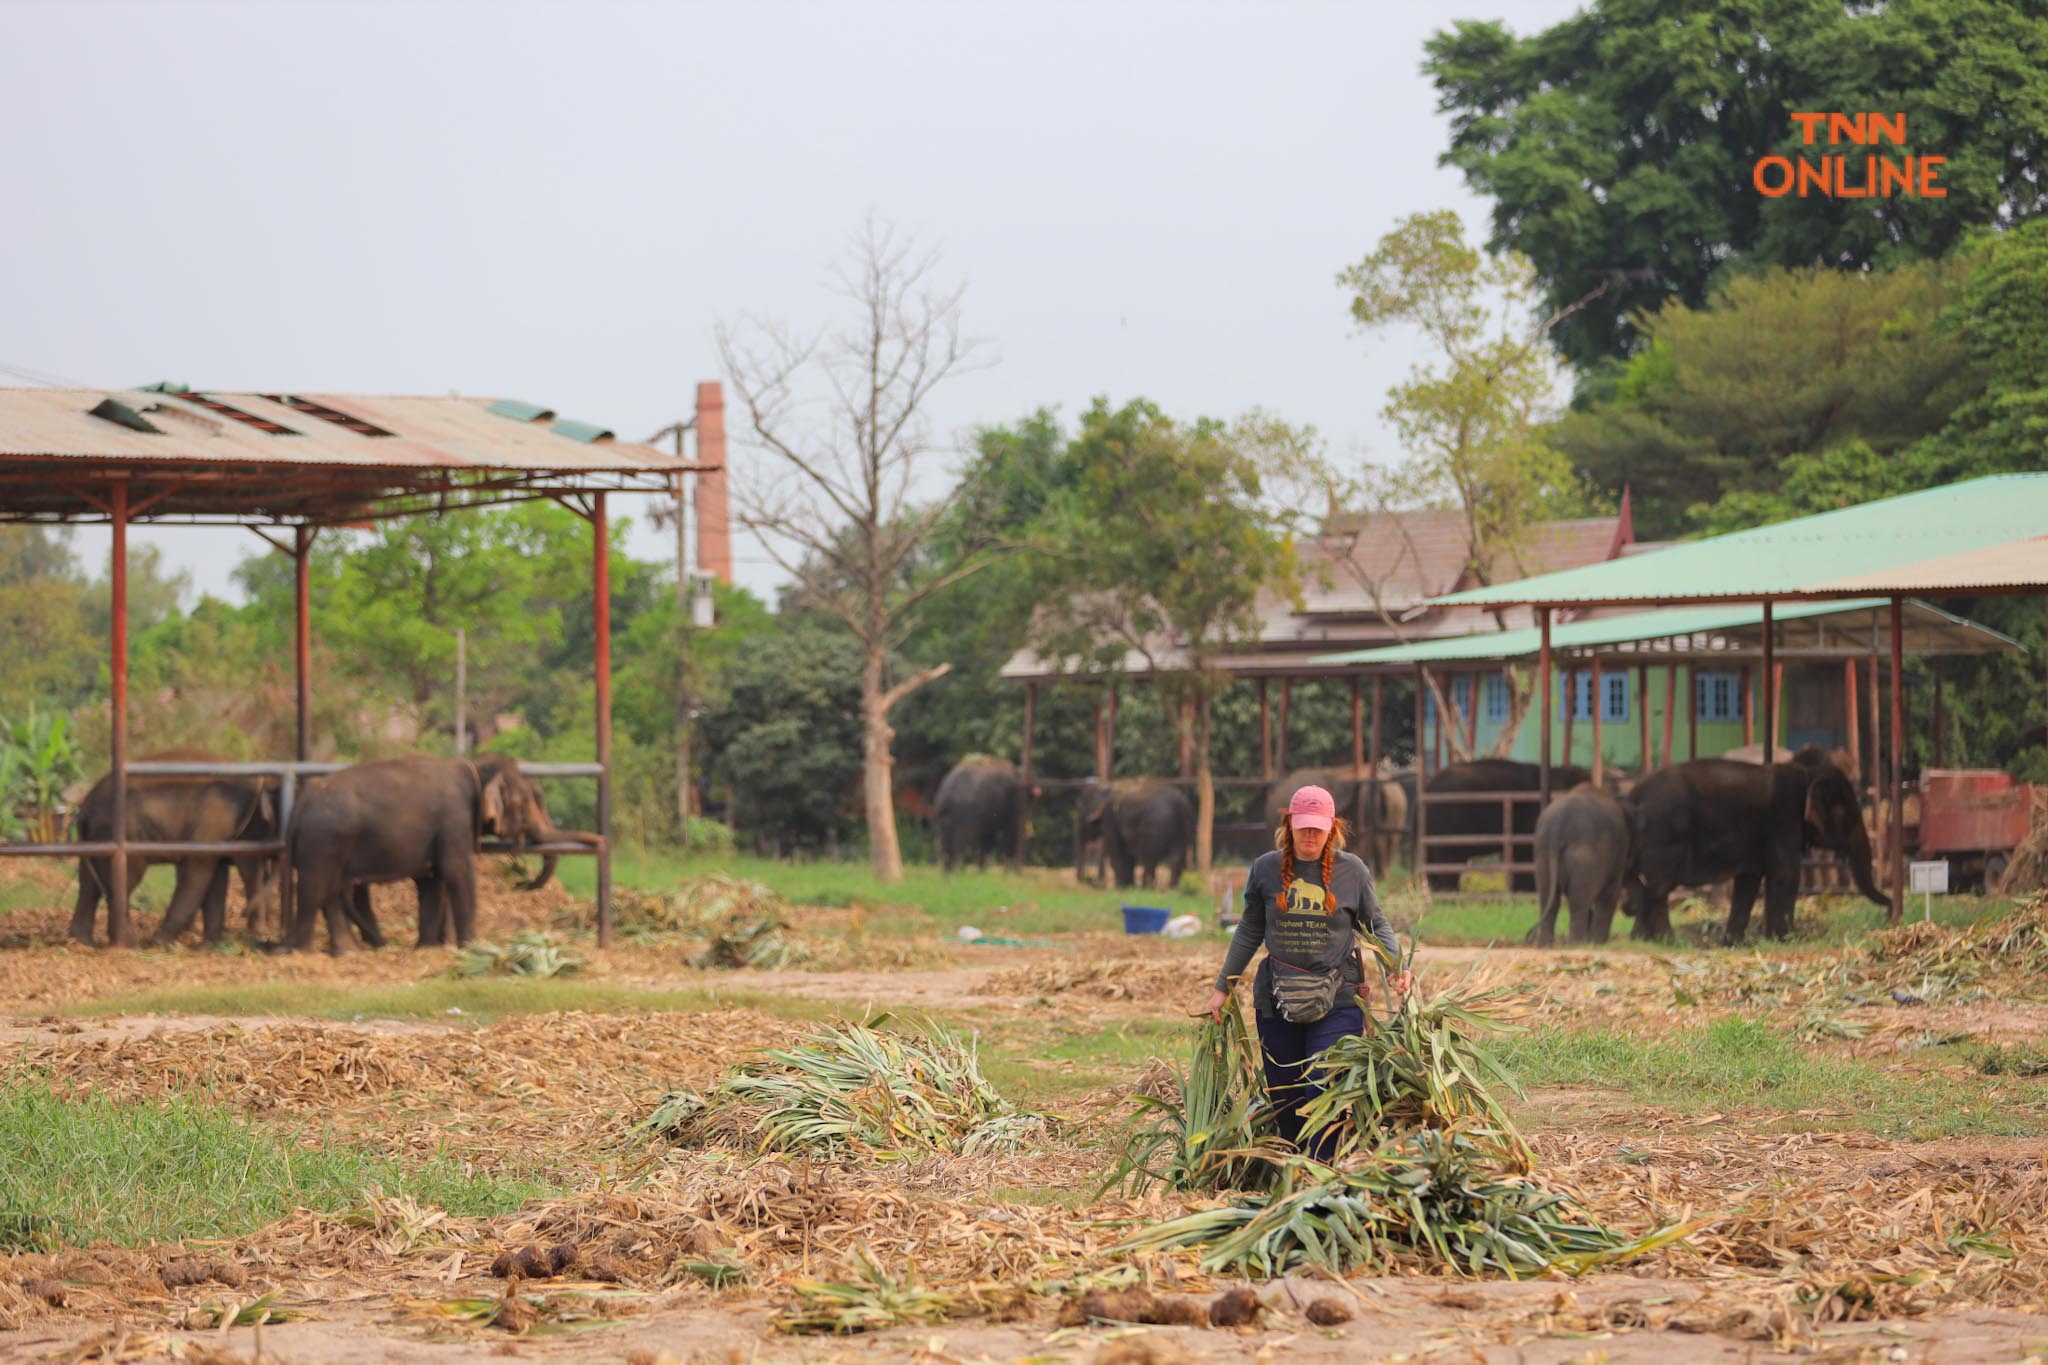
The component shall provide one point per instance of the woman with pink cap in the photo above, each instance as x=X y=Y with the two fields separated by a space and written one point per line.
x=1307 y=902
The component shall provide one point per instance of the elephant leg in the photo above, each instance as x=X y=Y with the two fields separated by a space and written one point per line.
x=458 y=882
x=195 y=875
x=363 y=915
x=93 y=874
x=433 y=912
x=1780 y=895
x=1125 y=869
x=1741 y=897
x=259 y=891
x=213 y=910
x=1653 y=920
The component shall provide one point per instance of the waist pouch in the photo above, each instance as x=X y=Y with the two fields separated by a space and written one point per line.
x=1303 y=996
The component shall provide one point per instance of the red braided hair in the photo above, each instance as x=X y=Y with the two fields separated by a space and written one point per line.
x=1283 y=839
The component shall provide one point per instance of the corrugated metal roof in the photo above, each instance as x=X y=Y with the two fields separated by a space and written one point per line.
x=427 y=433
x=1857 y=549
x=1858 y=627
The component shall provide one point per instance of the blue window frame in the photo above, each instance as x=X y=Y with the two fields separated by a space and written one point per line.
x=1717 y=696
x=1579 y=696
x=1496 y=698
x=1461 y=699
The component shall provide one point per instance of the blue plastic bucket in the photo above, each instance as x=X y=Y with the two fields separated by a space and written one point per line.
x=1145 y=919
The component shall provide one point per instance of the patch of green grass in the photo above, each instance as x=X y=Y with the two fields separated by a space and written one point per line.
x=1740 y=1064
x=1038 y=900
x=78 y=1171
x=471 y=1000
x=1035 y=1071
x=1822 y=921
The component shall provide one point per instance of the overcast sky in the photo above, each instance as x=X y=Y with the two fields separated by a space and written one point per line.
x=557 y=202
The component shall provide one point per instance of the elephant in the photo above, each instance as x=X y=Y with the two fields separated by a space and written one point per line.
x=1581 y=856
x=417 y=819
x=980 y=808
x=1389 y=815
x=179 y=809
x=1468 y=819
x=1714 y=818
x=1143 y=822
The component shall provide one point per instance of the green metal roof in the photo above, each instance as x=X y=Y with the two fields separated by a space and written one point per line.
x=1802 y=557
x=1937 y=631
x=519 y=411
x=585 y=432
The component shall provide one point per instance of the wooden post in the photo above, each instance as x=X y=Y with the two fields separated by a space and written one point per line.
x=1748 y=711
x=1543 y=700
x=1571 y=711
x=1770 y=685
x=120 y=932
x=302 y=636
x=1024 y=761
x=1643 y=705
x=1280 y=734
x=1421 y=782
x=1852 y=725
x=1876 y=724
x=1670 y=709
x=1898 y=772
x=1599 y=705
x=1692 y=712
x=1472 y=686
x=601 y=611
x=1265 y=733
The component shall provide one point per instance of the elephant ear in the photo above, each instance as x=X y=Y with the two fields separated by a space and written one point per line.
x=492 y=805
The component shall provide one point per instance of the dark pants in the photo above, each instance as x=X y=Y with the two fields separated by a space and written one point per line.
x=1288 y=1048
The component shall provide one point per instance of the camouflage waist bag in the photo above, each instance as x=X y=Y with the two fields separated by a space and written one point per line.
x=1303 y=996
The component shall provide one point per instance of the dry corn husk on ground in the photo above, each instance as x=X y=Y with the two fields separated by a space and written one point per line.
x=742 y=923
x=855 y=1088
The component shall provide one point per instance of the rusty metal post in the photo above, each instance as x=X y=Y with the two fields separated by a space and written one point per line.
x=601 y=610
x=1770 y=686
x=1898 y=767
x=302 y=636
x=1543 y=700
x=1748 y=710
x=1571 y=711
x=1670 y=711
x=1599 y=706
x=1265 y=734
x=1421 y=781
x=1024 y=761
x=1472 y=690
x=1692 y=711
x=1852 y=724
x=1643 y=705
x=1876 y=722
x=120 y=932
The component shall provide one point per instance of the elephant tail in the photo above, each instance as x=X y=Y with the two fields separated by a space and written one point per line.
x=1547 y=889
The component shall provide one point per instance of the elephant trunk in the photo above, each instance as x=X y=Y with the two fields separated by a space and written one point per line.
x=546 y=832
x=1858 y=853
x=547 y=871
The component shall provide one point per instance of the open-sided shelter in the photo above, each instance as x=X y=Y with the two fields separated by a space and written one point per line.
x=1981 y=537
x=290 y=464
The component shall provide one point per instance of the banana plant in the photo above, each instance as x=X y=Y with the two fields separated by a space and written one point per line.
x=37 y=762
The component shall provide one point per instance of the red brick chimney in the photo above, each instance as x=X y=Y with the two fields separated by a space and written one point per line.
x=714 y=520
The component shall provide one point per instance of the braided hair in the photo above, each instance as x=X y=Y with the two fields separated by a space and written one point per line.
x=1283 y=839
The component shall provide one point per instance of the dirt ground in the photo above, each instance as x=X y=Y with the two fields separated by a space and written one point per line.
x=1823 y=1243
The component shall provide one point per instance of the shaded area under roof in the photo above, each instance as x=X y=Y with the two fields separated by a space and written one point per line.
x=1850 y=629
x=1980 y=536
x=318 y=459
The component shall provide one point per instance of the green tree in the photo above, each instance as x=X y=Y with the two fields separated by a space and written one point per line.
x=1162 y=546
x=1619 y=145
x=1801 y=380
x=786 y=746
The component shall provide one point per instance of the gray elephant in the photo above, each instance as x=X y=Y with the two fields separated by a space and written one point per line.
x=980 y=809
x=407 y=819
x=1389 y=814
x=1143 y=823
x=179 y=810
x=1696 y=823
x=1581 y=856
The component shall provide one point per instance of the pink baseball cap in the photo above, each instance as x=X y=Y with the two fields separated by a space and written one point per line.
x=1312 y=808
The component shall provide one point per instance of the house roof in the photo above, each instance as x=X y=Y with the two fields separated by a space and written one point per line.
x=195 y=455
x=1982 y=535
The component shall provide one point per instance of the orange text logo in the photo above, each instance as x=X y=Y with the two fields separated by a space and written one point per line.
x=1849 y=176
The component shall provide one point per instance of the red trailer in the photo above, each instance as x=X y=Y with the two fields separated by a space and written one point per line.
x=1974 y=818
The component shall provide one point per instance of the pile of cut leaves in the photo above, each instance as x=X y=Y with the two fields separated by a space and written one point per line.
x=742 y=923
x=1428 y=1168
x=855 y=1089
x=527 y=954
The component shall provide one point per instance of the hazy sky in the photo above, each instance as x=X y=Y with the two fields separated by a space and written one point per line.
x=556 y=202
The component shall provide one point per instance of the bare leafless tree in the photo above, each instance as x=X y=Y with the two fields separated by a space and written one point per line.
x=839 y=419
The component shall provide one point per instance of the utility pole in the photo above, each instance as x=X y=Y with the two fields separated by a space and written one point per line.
x=685 y=701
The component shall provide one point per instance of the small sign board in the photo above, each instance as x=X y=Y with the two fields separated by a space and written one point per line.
x=1929 y=877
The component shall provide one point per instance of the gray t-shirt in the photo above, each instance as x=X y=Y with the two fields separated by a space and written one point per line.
x=1302 y=932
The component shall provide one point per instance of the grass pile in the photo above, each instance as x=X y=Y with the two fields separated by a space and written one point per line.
x=532 y=955
x=742 y=923
x=1427 y=1169
x=855 y=1088
x=875 y=1299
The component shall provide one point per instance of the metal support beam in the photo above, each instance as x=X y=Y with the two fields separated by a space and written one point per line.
x=1852 y=721
x=1898 y=772
x=1748 y=709
x=302 y=639
x=120 y=932
x=601 y=611
x=1770 y=681
x=1599 y=706
x=1543 y=701
x=1670 y=712
x=1643 y=706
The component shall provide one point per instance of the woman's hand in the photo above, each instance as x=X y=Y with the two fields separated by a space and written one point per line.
x=1404 y=983
x=1217 y=1000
